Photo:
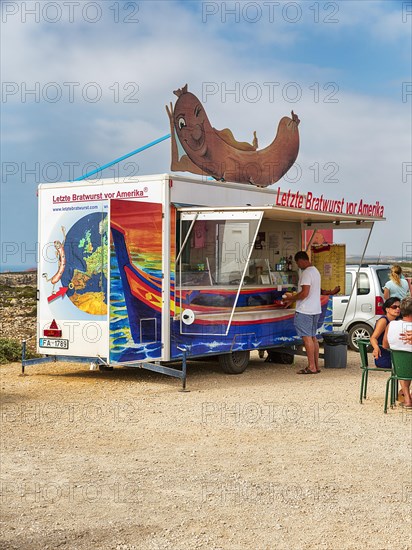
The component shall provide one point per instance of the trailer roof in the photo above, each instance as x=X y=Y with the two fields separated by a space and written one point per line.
x=271 y=201
x=276 y=203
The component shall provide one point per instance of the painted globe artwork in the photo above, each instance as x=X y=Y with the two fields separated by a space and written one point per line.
x=85 y=275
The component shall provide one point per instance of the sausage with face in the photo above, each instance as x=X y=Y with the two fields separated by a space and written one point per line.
x=61 y=258
x=218 y=154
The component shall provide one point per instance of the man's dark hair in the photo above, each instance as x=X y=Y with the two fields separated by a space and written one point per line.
x=301 y=255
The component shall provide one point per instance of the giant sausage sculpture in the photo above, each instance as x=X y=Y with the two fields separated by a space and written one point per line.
x=199 y=148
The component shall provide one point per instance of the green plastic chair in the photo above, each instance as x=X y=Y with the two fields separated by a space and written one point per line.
x=363 y=344
x=401 y=370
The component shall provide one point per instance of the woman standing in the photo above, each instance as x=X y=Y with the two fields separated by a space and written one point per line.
x=397 y=284
x=382 y=356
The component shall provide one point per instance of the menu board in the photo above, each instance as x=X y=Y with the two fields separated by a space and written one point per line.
x=330 y=260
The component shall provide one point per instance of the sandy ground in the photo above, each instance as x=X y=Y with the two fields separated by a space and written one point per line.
x=268 y=460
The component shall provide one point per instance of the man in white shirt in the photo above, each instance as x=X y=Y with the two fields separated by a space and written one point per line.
x=308 y=310
x=394 y=338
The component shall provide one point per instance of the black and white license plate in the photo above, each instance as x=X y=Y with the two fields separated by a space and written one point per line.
x=53 y=343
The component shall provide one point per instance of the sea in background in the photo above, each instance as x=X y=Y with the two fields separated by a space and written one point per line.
x=7 y=268
x=19 y=268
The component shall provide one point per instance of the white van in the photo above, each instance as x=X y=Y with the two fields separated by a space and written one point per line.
x=358 y=312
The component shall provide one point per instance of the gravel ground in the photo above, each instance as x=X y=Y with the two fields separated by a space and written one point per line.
x=268 y=460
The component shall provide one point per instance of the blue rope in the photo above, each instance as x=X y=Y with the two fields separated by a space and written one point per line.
x=155 y=142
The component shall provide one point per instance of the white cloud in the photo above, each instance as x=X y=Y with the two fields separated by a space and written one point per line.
x=367 y=137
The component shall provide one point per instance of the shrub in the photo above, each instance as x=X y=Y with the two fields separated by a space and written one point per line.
x=32 y=313
x=27 y=292
x=10 y=351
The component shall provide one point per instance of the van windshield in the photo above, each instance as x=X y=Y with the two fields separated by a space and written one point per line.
x=383 y=276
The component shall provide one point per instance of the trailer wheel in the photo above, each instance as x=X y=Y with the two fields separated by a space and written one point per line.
x=235 y=362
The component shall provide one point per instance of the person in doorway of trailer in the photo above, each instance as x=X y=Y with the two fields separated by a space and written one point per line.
x=397 y=285
x=391 y=308
x=308 y=310
x=331 y=292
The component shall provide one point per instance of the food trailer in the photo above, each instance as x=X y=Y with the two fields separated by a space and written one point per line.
x=164 y=268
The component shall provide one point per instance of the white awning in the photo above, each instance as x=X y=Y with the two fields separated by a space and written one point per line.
x=308 y=218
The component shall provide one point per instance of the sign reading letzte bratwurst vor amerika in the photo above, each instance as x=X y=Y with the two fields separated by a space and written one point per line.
x=321 y=204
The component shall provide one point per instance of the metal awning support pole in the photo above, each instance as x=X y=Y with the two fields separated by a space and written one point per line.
x=177 y=262
x=310 y=240
x=355 y=284
x=242 y=278
x=139 y=150
x=186 y=238
x=366 y=245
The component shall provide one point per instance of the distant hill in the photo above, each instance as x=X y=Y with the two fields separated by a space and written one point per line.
x=379 y=260
x=17 y=269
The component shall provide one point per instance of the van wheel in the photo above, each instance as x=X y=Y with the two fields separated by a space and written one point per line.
x=356 y=332
x=235 y=362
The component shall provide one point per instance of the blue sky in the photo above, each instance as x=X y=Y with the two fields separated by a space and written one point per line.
x=103 y=71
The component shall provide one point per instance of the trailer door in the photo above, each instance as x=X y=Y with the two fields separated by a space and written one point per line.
x=72 y=273
x=212 y=263
x=136 y=282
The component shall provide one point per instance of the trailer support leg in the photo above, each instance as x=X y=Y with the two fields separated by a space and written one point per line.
x=184 y=371
x=23 y=356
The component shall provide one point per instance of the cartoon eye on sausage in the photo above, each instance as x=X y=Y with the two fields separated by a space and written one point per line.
x=199 y=148
x=61 y=258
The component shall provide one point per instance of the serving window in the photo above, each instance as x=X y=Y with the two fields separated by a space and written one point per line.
x=213 y=261
x=215 y=248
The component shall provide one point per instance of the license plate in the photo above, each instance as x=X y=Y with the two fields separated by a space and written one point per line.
x=53 y=343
